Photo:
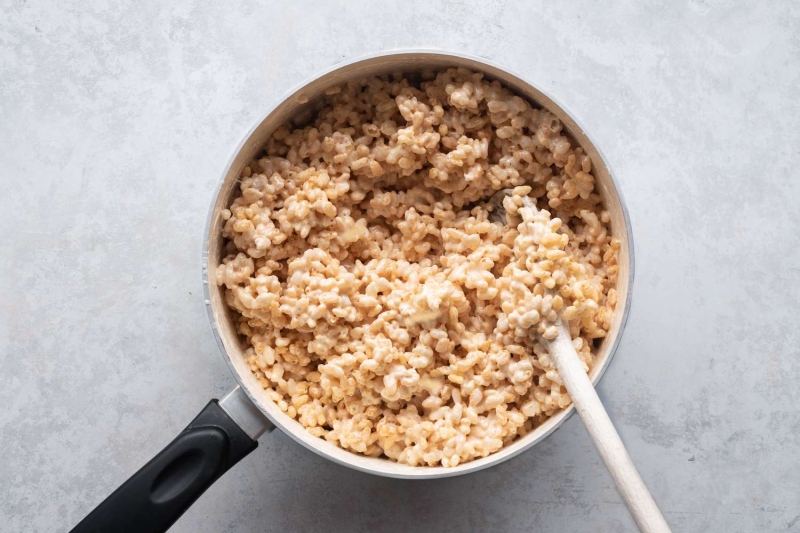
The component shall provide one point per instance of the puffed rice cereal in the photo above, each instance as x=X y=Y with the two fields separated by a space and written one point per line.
x=383 y=309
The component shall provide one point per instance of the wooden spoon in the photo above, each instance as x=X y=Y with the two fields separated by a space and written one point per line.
x=605 y=437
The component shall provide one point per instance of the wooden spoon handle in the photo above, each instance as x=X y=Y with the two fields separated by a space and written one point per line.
x=629 y=483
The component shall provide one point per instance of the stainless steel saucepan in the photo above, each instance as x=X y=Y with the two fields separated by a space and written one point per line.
x=226 y=431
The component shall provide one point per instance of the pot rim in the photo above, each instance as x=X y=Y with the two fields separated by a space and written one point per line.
x=416 y=472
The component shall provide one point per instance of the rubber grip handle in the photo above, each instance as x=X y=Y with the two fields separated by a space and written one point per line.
x=161 y=491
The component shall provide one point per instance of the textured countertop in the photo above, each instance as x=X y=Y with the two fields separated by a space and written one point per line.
x=116 y=118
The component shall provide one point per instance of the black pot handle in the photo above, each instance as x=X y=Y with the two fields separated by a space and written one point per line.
x=161 y=491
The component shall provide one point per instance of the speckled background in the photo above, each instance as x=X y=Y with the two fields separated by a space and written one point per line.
x=116 y=118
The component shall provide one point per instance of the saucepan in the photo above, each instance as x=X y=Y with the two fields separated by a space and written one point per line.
x=225 y=431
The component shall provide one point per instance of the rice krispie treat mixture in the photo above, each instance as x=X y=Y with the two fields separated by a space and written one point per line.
x=383 y=309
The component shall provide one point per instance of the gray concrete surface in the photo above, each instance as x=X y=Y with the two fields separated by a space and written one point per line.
x=116 y=118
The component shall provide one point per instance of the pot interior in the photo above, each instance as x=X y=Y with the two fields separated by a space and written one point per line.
x=298 y=107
